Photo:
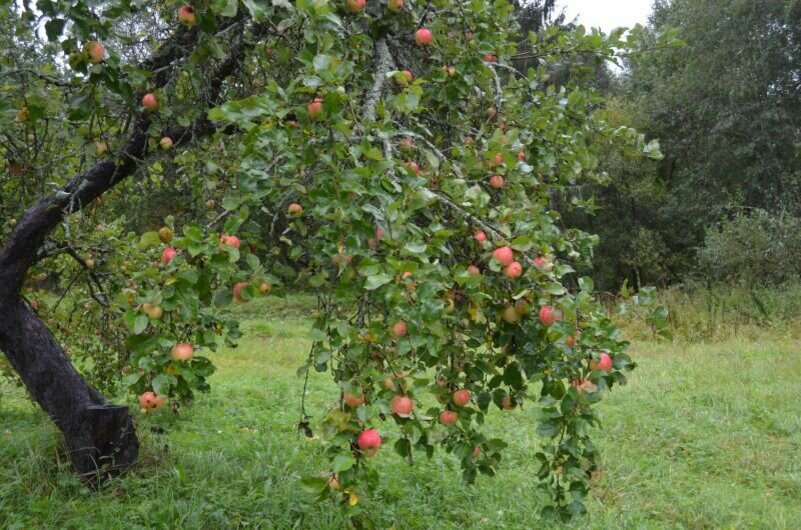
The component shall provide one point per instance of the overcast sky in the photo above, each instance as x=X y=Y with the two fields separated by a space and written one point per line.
x=608 y=14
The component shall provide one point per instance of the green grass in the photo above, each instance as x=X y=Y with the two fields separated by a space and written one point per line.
x=703 y=436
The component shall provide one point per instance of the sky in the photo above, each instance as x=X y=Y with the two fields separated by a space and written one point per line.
x=608 y=14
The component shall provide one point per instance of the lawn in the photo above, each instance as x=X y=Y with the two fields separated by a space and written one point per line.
x=703 y=436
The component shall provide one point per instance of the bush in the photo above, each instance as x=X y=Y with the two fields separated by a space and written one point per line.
x=751 y=248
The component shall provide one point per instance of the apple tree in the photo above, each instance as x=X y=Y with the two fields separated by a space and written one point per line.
x=393 y=156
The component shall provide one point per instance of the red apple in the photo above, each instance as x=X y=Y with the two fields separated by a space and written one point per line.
x=353 y=401
x=480 y=236
x=583 y=385
x=395 y=5
x=496 y=181
x=504 y=255
x=521 y=156
x=604 y=363
x=541 y=262
x=238 y=291
x=402 y=406
x=147 y=400
x=513 y=271
x=448 y=417
x=423 y=37
x=472 y=270
x=354 y=6
x=295 y=209
x=407 y=77
x=413 y=166
x=369 y=441
x=570 y=341
x=461 y=397
x=168 y=255
x=186 y=15
x=96 y=51
x=549 y=315
x=398 y=329
x=315 y=108
x=182 y=352
x=490 y=58
x=231 y=241
x=149 y=101
x=165 y=142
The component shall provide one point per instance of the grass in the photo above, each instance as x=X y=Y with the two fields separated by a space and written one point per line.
x=703 y=436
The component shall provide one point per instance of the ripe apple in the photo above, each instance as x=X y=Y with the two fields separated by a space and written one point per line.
x=413 y=166
x=472 y=270
x=582 y=385
x=541 y=262
x=369 y=441
x=354 y=6
x=90 y=263
x=265 y=287
x=490 y=58
x=295 y=209
x=238 y=291
x=395 y=5
x=182 y=352
x=96 y=51
x=521 y=156
x=513 y=271
x=402 y=406
x=153 y=311
x=604 y=363
x=165 y=143
x=231 y=241
x=149 y=101
x=448 y=417
x=168 y=255
x=570 y=341
x=508 y=403
x=496 y=181
x=461 y=397
x=353 y=401
x=510 y=316
x=147 y=400
x=186 y=15
x=165 y=234
x=480 y=236
x=398 y=329
x=422 y=37
x=504 y=255
x=315 y=108
x=549 y=315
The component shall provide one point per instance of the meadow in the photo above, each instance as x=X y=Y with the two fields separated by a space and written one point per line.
x=706 y=434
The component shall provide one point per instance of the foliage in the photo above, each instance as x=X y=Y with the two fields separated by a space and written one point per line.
x=752 y=247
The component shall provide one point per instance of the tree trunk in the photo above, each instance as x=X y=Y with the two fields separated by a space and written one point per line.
x=100 y=438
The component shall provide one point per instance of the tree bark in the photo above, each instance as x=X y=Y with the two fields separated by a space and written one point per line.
x=100 y=438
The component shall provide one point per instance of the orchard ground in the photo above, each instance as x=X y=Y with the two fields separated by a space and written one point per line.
x=705 y=435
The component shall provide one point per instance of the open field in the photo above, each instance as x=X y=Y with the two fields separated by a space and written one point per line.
x=703 y=436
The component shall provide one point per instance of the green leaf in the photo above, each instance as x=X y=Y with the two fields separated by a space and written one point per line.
x=149 y=239
x=140 y=324
x=343 y=462
x=376 y=281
